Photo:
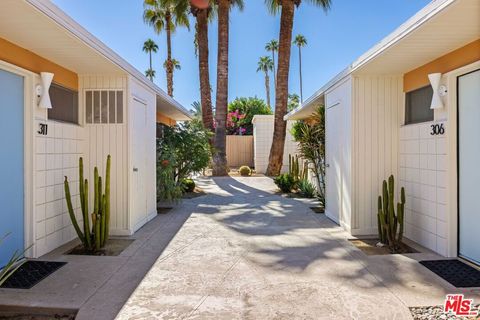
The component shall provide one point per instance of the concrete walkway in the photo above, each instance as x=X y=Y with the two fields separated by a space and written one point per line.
x=246 y=253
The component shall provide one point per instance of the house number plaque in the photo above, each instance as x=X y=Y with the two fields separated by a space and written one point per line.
x=42 y=129
x=437 y=129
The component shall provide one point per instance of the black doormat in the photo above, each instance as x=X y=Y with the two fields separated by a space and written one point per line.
x=457 y=273
x=31 y=273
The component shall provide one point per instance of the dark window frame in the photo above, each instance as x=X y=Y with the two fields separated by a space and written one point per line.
x=62 y=109
x=419 y=98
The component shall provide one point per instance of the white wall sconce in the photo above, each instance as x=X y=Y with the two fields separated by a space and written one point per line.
x=42 y=90
x=439 y=91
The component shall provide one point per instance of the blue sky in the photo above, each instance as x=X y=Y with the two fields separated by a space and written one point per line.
x=334 y=39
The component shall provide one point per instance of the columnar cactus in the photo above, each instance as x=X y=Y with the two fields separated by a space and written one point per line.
x=93 y=238
x=391 y=224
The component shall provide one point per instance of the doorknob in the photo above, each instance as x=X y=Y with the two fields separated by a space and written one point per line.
x=135 y=169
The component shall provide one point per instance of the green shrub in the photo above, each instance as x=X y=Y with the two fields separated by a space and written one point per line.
x=285 y=182
x=245 y=171
x=306 y=189
x=188 y=185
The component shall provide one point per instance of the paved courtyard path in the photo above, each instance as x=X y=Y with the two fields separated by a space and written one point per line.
x=245 y=252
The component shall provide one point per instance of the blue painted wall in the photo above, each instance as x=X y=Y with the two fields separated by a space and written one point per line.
x=11 y=164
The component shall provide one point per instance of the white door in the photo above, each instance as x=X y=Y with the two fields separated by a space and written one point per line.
x=468 y=166
x=333 y=140
x=139 y=158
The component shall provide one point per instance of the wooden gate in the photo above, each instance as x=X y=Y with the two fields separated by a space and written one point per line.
x=240 y=151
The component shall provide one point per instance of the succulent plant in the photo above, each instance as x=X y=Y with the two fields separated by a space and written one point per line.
x=93 y=238
x=391 y=224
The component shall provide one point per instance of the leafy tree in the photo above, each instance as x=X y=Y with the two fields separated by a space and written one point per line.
x=272 y=47
x=310 y=136
x=249 y=107
x=300 y=41
x=265 y=64
x=166 y=15
x=182 y=142
x=150 y=46
x=220 y=167
x=287 y=8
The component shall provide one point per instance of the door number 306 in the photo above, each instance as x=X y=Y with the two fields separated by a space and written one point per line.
x=437 y=129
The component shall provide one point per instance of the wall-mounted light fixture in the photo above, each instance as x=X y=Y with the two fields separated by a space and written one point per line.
x=439 y=91
x=42 y=90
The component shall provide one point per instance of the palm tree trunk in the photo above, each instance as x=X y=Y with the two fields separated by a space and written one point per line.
x=274 y=71
x=220 y=158
x=150 y=53
x=267 y=87
x=205 y=89
x=300 y=65
x=169 y=55
x=281 y=92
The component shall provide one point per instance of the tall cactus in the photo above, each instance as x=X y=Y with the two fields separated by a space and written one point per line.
x=391 y=224
x=93 y=238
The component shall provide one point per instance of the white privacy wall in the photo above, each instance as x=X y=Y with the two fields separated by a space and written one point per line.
x=423 y=173
x=108 y=138
x=56 y=156
x=262 y=141
x=377 y=105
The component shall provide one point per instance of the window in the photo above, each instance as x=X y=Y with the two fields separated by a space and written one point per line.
x=417 y=105
x=103 y=106
x=64 y=104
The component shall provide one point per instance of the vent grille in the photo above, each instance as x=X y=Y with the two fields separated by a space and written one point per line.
x=103 y=106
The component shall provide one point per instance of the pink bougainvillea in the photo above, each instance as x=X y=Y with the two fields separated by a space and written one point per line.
x=234 y=123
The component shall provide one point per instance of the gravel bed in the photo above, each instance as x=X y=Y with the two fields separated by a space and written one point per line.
x=436 y=312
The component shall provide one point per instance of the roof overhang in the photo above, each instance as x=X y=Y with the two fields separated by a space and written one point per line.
x=172 y=109
x=439 y=28
x=41 y=27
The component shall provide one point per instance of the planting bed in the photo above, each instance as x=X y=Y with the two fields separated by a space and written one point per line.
x=113 y=247
x=368 y=246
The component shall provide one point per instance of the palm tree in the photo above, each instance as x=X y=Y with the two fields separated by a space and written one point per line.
x=300 y=41
x=174 y=63
x=166 y=15
x=150 y=73
x=272 y=46
x=150 y=46
x=197 y=109
x=202 y=17
x=266 y=65
x=287 y=8
x=220 y=167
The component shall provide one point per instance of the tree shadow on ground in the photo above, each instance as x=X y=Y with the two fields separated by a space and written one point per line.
x=303 y=242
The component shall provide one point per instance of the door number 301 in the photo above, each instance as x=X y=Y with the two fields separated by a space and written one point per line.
x=437 y=129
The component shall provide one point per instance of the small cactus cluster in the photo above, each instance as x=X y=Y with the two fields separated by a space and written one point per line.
x=295 y=171
x=391 y=224
x=93 y=238
x=245 y=171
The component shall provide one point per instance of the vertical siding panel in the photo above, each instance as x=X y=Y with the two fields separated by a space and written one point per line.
x=362 y=150
x=375 y=149
x=368 y=104
x=388 y=129
x=381 y=131
x=355 y=155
